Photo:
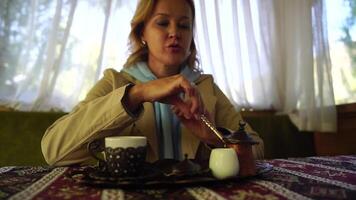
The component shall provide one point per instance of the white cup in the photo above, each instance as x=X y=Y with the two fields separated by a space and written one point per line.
x=125 y=141
x=224 y=163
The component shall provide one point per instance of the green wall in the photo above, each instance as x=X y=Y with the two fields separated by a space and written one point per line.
x=21 y=133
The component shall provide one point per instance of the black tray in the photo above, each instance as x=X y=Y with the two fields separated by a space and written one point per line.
x=153 y=175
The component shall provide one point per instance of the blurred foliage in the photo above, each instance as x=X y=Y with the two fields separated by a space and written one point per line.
x=26 y=27
x=347 y=39
x=15 y=16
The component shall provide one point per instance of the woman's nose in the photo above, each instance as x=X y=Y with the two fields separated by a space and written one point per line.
x=173 y=32
x=172 y=35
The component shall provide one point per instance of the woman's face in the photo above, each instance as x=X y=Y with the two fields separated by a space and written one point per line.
x=168 y=33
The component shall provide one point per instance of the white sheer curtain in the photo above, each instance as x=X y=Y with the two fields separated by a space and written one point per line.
x=270 y=54
x=264 y=54
x=54 y=51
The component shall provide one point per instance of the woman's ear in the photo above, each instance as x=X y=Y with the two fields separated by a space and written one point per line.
x=143 y=34
x=143 y=41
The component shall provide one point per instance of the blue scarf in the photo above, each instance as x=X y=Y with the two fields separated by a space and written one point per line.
x=167 y=124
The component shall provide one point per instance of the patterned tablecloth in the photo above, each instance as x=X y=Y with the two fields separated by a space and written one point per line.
x=294 y=178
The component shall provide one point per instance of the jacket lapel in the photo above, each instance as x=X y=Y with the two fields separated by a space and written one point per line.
x=147 y=126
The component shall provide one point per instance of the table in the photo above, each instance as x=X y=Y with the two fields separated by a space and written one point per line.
x=293 y=178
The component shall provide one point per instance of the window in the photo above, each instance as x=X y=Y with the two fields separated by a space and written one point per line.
x=341 y=23
x=28 y=49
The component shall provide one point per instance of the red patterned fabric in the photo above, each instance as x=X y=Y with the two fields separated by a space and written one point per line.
x=294 y=178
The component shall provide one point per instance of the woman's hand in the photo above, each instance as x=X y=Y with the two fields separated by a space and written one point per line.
x=195 y=124
x=166 y=90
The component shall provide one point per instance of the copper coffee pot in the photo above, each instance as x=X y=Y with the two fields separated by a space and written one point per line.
x=241 y=142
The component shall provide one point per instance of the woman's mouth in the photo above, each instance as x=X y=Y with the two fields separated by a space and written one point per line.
x=174 y=48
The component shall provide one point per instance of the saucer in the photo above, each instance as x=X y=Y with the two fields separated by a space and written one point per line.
x=146 y=173
x=171 y=168
x=153 y=176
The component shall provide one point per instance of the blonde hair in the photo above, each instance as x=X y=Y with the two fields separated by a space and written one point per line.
x=139 y=51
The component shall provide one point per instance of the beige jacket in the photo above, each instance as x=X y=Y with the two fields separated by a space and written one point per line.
x=102 y=114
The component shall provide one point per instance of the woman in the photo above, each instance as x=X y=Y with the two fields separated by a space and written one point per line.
x=160 y=93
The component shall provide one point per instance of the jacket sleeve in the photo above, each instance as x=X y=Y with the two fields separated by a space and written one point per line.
x=99 y=115
x=226 y=116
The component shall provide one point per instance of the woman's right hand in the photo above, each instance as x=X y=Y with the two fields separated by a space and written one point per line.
x=165 y=90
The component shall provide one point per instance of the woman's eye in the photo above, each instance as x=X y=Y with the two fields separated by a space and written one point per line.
x=162 y=23
x=184 y=26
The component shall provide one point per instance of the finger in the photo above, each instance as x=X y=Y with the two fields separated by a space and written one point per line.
x=182 y=107
x=201 y=108
x=194 y=105
x=187 y=86
x=179 y=113
x=175 y=110
x=197 y=105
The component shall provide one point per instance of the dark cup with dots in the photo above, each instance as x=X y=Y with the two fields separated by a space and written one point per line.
x=124 y=156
